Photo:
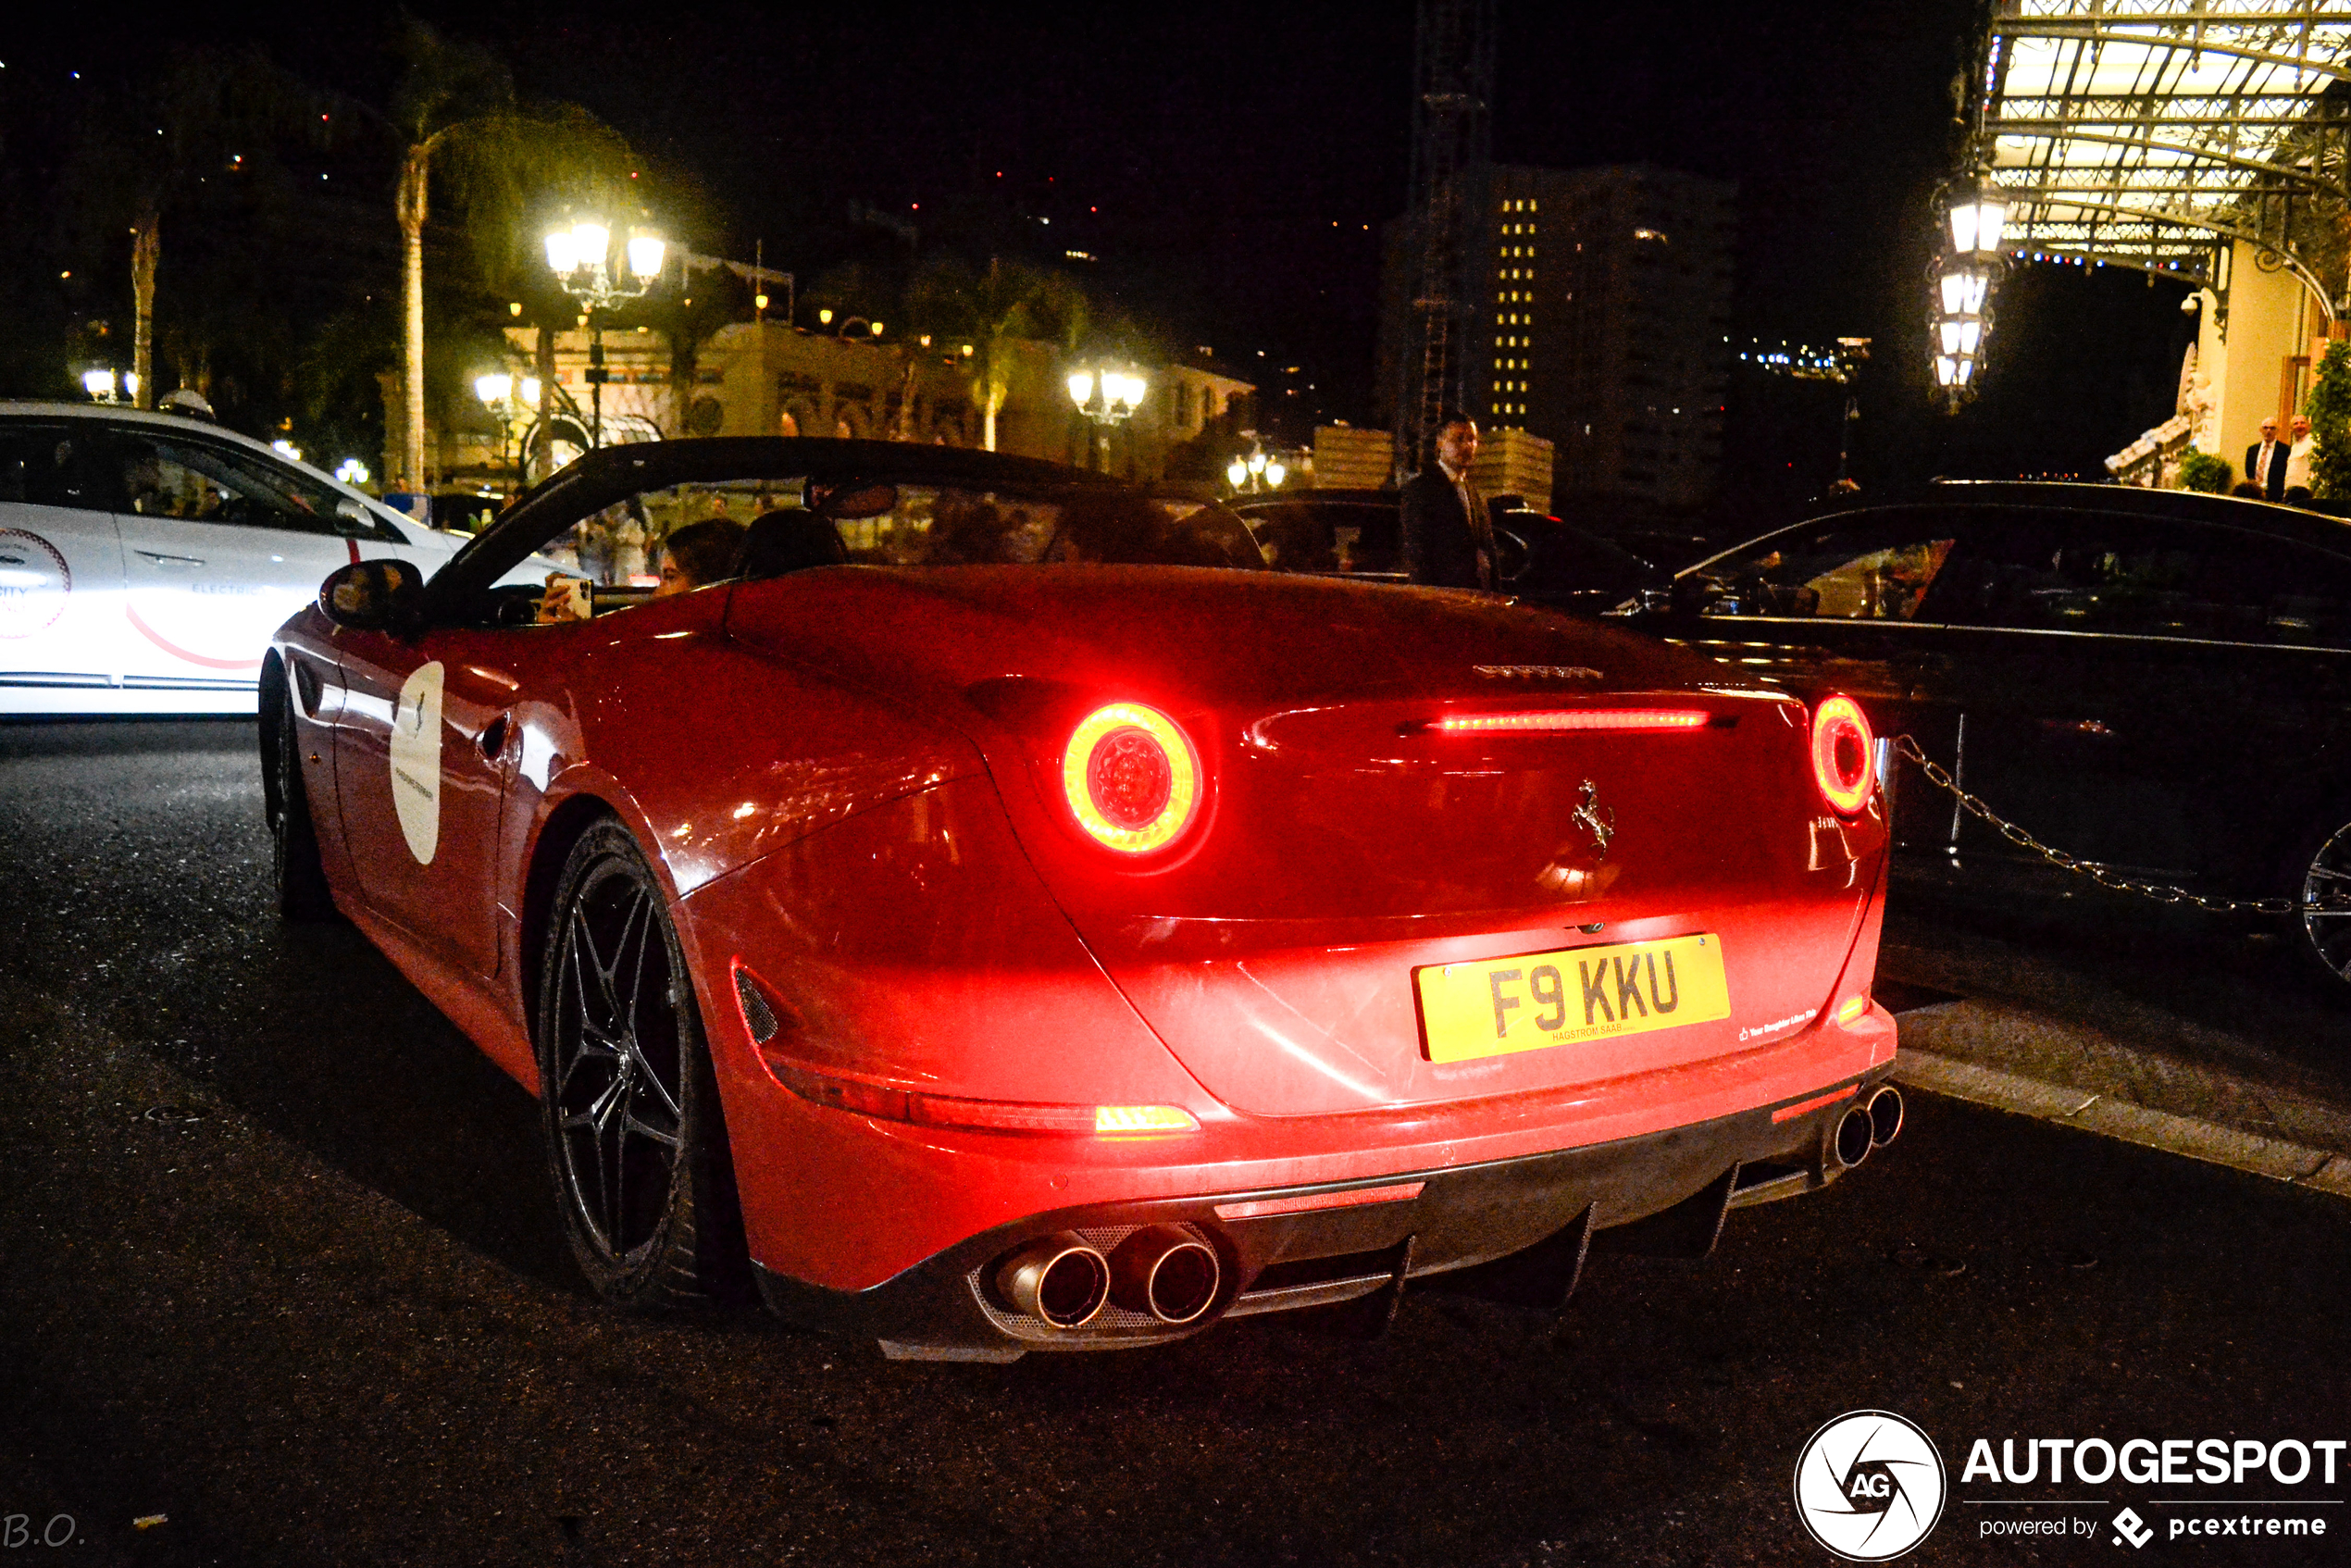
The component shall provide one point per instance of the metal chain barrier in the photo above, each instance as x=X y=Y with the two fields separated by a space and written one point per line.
x=2161 y=892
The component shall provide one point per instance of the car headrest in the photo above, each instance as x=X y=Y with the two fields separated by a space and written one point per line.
x=791 y=541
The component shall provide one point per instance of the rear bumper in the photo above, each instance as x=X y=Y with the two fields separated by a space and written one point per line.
x=1293 y=1246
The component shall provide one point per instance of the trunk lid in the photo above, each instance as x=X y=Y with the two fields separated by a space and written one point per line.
x=1343 y=842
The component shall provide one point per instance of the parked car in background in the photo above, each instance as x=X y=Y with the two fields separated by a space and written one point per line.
x=1357 y=533
x=1007 y=917
x=145 y=559
x=2153 y=681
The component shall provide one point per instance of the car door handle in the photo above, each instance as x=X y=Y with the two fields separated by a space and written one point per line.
x=159 y=557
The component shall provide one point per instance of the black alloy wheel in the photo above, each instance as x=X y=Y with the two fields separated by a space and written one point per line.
x=2321 y=885
x=295 y=869
x=635 y=1137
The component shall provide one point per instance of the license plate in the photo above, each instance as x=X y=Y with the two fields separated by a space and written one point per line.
x=1497 y=1005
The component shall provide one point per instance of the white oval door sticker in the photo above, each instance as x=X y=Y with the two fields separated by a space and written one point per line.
x=415 y=760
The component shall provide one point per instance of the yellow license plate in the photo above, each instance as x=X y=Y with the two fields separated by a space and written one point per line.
x=1497 y=1005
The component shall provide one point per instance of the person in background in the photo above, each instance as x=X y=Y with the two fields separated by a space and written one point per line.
x=698 y=554
x=2265 y=462
x=1448 y=533
x=2298 y=461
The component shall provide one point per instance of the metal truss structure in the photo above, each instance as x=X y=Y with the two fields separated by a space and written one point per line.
x=2150 y=134
x=1453 y=86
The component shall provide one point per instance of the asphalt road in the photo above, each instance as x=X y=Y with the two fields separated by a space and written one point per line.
x=278 y=1264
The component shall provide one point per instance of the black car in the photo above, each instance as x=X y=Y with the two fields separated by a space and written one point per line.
x=2153 y=681
x=1356 y=533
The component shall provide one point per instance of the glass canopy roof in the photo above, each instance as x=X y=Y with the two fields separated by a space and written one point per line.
x=2146 y=132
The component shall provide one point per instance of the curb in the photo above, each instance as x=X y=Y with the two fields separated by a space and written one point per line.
x=2294 y=1164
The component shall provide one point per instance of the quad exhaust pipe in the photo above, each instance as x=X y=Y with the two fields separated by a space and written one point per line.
x=1059 y=1280
x=1871 y=1125
x=1162 y=1271
x=1168 y=1272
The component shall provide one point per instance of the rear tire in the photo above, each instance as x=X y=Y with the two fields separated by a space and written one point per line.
x=2321 y=877
x=636 y=1142
x=296 y=870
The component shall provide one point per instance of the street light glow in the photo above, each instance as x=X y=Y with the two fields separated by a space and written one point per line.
x=591 y=241
x=1081 y=387
x=493 y=386
x=562 y=255
x=645 y=253
x=99 y=384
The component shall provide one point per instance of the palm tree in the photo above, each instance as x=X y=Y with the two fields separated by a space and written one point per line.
x=990 y=310
x=455 y=112
x=208 y=114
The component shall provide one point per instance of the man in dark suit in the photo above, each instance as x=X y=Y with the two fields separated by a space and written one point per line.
x=2265 y=462
x=1448 y=533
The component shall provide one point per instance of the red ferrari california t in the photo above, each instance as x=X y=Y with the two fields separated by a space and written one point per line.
x=1002 y=915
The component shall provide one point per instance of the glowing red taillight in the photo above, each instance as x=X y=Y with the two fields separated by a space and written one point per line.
x=1131 y=777
x=1843 y=754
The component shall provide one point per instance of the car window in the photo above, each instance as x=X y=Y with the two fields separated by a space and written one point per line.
x=2148 y=577
x=935 y=526
x=915 y=525
x=1328 y=536
x=48 y=466
x=195 y=480
x=1867 y=568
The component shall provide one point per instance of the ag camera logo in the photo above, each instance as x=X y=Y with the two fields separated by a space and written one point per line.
x=1870 y=1485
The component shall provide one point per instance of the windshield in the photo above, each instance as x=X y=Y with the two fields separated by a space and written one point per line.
x=911 y=525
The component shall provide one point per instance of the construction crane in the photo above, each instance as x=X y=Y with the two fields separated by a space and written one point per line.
x=1453 y=89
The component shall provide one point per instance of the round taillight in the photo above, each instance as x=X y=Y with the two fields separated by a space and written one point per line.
x=1842 y=754
x=1130 y=777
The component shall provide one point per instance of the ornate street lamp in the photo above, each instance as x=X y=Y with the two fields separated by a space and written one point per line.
x=498 y=392
x=579 y=253
x=1255 y=473
x=1106 y=397
x=1975 y=213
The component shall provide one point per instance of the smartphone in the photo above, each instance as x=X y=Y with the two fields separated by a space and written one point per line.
x=576 y=605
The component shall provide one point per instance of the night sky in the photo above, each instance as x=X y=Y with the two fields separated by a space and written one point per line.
x=1230 y=166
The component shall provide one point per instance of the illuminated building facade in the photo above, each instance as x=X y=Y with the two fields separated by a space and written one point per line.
x=1608 y=299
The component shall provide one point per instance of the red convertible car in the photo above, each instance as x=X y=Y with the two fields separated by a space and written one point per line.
x=1003 y=916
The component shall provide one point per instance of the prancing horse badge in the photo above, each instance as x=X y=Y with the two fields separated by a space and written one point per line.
x=1590 y=814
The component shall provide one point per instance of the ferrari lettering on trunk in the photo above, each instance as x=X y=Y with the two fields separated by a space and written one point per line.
x=1530 y=1001
x=415 y=762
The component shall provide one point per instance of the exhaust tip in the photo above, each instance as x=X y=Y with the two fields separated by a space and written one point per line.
x=1854 y=1136
x=1057 y=1279
x=1886 y=1117
x=1166 y=1272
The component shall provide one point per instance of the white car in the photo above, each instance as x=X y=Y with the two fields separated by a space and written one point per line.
x=145 y=559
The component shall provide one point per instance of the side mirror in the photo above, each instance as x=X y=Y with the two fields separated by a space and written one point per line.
x=1511 y=556
x=374 y=596
x=1692 y=592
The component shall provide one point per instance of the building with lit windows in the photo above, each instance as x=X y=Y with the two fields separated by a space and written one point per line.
x=1607 y=293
